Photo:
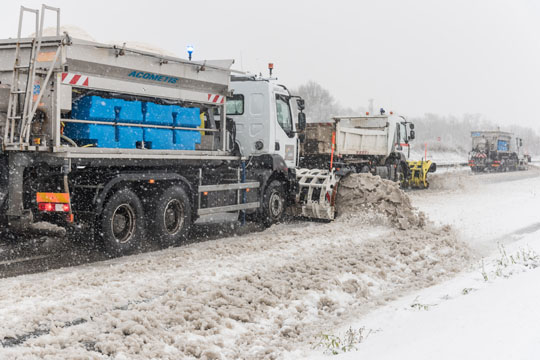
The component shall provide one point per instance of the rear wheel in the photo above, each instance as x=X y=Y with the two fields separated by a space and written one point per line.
x=273 y=203
x=171 y=216
x=121 y=225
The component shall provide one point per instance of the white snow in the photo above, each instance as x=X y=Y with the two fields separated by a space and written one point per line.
x=440 y=157
x=73 y=31
x=79 y=33
x=465 y=318
x=488 y=312
x=486 y=208
x=272 y=294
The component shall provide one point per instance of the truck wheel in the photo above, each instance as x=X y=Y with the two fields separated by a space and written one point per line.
x=402 y=174
x=273 y=203
x=171 y=216
x=122 y=223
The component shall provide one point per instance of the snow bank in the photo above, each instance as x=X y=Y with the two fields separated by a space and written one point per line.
x=489 y=313
x=451 y=180
x=257 y=296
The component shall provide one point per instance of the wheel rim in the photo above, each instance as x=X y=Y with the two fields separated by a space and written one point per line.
x=276 y=205
x=173 y=216
x=123 y=223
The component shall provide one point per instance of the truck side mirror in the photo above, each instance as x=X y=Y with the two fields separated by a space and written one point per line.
x=301 y=121
x=301 y=104
x=411 y=125
x=302 y=137
x=520 y=142
x=412 y=135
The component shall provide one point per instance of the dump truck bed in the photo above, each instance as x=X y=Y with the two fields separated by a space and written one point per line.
x=351 y=136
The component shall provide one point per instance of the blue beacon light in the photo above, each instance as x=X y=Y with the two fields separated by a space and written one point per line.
x=189 y=51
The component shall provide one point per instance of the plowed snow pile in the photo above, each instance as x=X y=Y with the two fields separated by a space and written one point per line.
x=267 y=295
x=361 y=193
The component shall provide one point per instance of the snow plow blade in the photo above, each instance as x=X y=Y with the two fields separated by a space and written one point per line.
x=419 y=172
x=316 y=195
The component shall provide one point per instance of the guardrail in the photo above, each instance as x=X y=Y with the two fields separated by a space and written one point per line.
x=452 y=165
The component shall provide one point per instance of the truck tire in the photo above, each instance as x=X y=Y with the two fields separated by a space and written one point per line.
x=171 y=216
x=121 y=225
x=274 y=203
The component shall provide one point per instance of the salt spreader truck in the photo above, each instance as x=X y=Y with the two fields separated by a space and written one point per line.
x=133 y=146
x=125 y=143
x=496 y=151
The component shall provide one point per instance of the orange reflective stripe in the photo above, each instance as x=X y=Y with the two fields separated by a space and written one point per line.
x=59 y=198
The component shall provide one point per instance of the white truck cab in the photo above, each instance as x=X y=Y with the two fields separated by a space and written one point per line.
x=265 y=115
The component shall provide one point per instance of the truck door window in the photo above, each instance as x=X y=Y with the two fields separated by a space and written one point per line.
x=402 y=134
x=283 y=113
x=235 y=105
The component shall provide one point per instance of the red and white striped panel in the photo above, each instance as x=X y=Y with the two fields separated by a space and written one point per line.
x=218 y=99
x=74 y=79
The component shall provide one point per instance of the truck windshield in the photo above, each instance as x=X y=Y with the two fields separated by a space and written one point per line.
x=283 y=113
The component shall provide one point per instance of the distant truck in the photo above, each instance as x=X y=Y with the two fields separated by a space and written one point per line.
x=366 y=144
x=497 y=151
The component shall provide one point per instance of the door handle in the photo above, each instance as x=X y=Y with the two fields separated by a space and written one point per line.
x=277 y=146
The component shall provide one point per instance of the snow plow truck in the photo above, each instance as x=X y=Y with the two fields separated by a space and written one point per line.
x=367 y=144
x=496 y=151
x=133 y=146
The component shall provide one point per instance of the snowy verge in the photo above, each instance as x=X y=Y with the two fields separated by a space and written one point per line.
x=489 y=313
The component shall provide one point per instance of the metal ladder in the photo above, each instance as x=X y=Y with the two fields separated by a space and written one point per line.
x=18 y=124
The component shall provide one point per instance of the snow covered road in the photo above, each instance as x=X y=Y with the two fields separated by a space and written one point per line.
x=246 y=297
x=485 y=209
x=268 y=294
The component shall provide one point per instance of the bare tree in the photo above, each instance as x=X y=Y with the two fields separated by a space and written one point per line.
x=442 y=133
x=320 y=104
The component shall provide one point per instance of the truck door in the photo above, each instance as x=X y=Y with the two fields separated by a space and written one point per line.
x=401 y=140
x=401 y=137
x=285 y=140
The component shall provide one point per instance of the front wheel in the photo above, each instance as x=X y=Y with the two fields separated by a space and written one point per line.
x=273 y=203
x=121 y=226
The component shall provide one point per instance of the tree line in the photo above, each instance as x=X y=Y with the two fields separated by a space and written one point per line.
x=441 y=132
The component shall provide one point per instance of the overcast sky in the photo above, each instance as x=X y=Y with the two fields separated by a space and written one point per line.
x=413 y=57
